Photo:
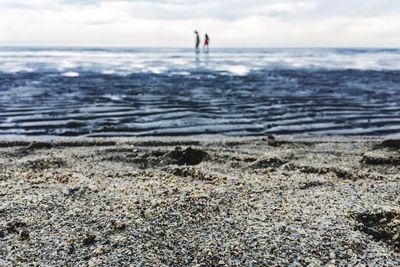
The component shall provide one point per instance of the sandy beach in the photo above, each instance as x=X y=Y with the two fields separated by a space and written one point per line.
x=200 y=201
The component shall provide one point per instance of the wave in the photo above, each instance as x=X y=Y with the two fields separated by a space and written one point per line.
x=175 y=61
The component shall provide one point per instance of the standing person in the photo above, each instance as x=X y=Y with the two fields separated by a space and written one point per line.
x=206 y=44
x=197 y=42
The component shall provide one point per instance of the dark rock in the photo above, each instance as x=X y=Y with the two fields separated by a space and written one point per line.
x=71 y=249
x=380 y=160
x=23 y=235
x=88 y=240
x=382 y=226
x=70 y=190
x=12 y=227
x=391 y=143
x=189 y=156
x=118 y=225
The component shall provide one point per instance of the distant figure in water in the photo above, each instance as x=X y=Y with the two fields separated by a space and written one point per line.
x=197 y=42
x=206 y=44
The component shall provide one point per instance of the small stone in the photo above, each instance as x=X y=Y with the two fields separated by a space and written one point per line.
x=23 y=235
x=12 y=227
x=71 y=249
x=99 y=251
x=221 y=263
x=118 y=225
x=69 y=190
x=89 y=240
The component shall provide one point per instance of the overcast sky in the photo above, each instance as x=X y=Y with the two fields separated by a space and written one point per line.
x=230 y=23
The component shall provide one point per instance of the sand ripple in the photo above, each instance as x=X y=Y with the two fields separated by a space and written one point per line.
x=347 y=102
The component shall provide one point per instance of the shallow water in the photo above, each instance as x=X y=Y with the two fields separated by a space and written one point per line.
x=129 y=92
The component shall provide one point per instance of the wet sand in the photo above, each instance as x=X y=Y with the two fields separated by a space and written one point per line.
x=200 y=201
x=299 y=101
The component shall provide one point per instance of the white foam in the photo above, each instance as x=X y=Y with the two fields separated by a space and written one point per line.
x=70 y=74
x=156 y=70
x=108 y=72
x=113 y=97
x=238 y=70
x=181 y=73
x=236 y=62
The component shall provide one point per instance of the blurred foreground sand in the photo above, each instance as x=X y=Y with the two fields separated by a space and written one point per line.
x=200 y=201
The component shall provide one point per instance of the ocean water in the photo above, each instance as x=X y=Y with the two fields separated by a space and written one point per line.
x=169 y=92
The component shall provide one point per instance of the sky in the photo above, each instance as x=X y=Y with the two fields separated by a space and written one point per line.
x=230 y=23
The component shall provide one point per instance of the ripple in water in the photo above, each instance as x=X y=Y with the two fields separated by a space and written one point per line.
x=117 y=92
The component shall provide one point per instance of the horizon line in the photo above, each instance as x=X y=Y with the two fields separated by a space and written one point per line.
x=185 y=47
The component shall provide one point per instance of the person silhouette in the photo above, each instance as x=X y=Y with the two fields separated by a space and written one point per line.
x=197 y=42
x=206 y=47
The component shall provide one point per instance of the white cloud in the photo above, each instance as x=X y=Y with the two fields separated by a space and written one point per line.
x=241 y=23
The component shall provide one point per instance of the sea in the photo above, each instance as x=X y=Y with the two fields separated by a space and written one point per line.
x=112 y=92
